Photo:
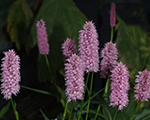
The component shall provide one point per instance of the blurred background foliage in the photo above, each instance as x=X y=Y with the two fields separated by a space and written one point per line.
x=18 y=24
x=133 y=45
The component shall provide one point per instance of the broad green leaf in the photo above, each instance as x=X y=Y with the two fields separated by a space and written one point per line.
x=134 y=47
x=19 y=19
x=145 y=115
x=63 y=20
x=4 y=110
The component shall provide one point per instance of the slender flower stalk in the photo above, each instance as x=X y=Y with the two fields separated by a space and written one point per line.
x=86 y=88
x=42 y=38
x=74 y=77
x=88 y=106
x=109 y=59
x=142 y=88
x=65 y=111
x=88 y=47
x=119 y=86
x=10 y=74
x=112 y=15
x=98 y=109
x=14 y=109
x=68 y=48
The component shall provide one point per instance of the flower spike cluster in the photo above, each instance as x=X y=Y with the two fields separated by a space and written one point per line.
x=68 y=48
x=112 y=15
x=88 y=47
x=142 y=88
x=74 y=78
x=42 y=37
x=109 y=59
x=10 y=74
x=119 y=86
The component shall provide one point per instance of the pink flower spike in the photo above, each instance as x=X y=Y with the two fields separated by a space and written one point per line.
x=68 y=48
x=109 y=57
x=74 y=77
x=119 y=86
x=112 y=15
x=10 y=74
x=42 y=37
x=88 y=47
x=142 y=88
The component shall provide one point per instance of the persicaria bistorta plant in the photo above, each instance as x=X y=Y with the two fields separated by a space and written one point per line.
x=42 y=37
x=119 y=86
x=88 y=47
x=142 y=88
x=109 y=55
x=68 y=48
x=112 y=15
x=74 y=78
x=10 y=74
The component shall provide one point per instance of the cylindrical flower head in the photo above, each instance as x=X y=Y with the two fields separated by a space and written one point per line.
x=42 y=38
x=68 y=48
x=88 y=47
x=109 y=59
x=119 y=86
x=112 y=15
x=74 y=78
x=142 y=88
x=10 y=74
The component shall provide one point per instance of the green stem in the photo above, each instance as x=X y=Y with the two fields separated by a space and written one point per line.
x=106 y=86
x=14 y=109
x=115 y=114
x=112 y=33
x=71 y=110
x=65 y=111
x=88 y=106
x=98 y=109
x=86 y=88
x=48 y=65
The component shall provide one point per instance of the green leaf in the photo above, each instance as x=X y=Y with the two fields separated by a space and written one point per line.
x=39 y=91
x=134 y=47
x=45 y=117
x=19 y=19
x=145 y=115
x=63 y=20
x=4 y=110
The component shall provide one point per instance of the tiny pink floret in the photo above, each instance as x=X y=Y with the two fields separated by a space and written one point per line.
x=10 y=74
x=42 y=38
